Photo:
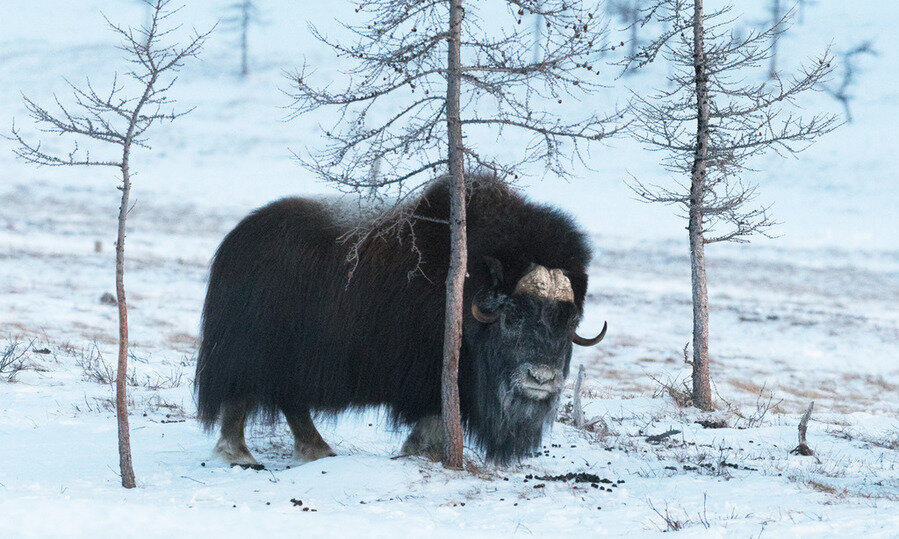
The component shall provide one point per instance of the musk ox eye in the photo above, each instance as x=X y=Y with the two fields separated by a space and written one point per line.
x=513 y=319
x=568 y=315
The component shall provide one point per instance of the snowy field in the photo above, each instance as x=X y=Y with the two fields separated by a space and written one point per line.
x=811 y=315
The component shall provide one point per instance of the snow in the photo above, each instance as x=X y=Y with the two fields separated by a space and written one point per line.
x=810 y=315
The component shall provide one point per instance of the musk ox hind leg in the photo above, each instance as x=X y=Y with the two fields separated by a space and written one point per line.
x=232 y=447
x=308 y=444
x=426 y=438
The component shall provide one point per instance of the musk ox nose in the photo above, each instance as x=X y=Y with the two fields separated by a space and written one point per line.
x=537 y=381
x=542 y=374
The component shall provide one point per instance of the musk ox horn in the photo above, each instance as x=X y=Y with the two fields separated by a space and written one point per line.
x=577 y=339
x=545 y=283
x=480 y=316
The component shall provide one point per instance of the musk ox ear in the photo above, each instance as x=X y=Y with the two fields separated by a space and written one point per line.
x=495 y=269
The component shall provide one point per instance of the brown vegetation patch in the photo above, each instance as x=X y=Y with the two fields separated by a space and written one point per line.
x=182 y=338
x=807 y=393
x=746 y=385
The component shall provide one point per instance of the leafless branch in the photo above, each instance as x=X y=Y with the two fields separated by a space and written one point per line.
x=400 y=52
x=842 y=92
x=121 y=115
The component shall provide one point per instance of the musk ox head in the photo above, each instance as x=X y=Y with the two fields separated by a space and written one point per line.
x=519 y=345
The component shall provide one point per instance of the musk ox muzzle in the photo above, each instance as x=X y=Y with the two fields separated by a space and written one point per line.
x=538 y=381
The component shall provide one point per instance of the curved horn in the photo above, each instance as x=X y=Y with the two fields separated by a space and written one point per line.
x=577 y=339
x=480 y=316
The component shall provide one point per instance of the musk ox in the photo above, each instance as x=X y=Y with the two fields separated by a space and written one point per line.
x=285 y=330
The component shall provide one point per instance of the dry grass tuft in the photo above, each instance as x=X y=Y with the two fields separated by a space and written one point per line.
x=818 y=486
x=12 y=359
x=93 y=367
x=671 y=522
x=678 y=390
x=171 y=380
x=885 y=440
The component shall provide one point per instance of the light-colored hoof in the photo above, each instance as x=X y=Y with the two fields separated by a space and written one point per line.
x=308 y=453
x=236 y=455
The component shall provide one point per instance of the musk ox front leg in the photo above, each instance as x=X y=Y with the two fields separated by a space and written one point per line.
x=426 y=439
x=232 y=447
x=308 y=443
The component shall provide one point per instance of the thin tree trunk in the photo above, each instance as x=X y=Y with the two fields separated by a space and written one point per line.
x=455 y=279
x=702 y=393
x=244 y=28
x=775 y=19
x=125 y=466
x=121 y=397
x=634 y=27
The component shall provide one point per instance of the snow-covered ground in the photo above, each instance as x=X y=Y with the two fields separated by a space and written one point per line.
x=809 y=316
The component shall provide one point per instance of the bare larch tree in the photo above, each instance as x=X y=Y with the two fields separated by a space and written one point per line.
x=842 y=92
x=629 y=13
x=709 y=122
x=121 y=117
x=243 y=14
x=776 y=21
x=425 y=73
